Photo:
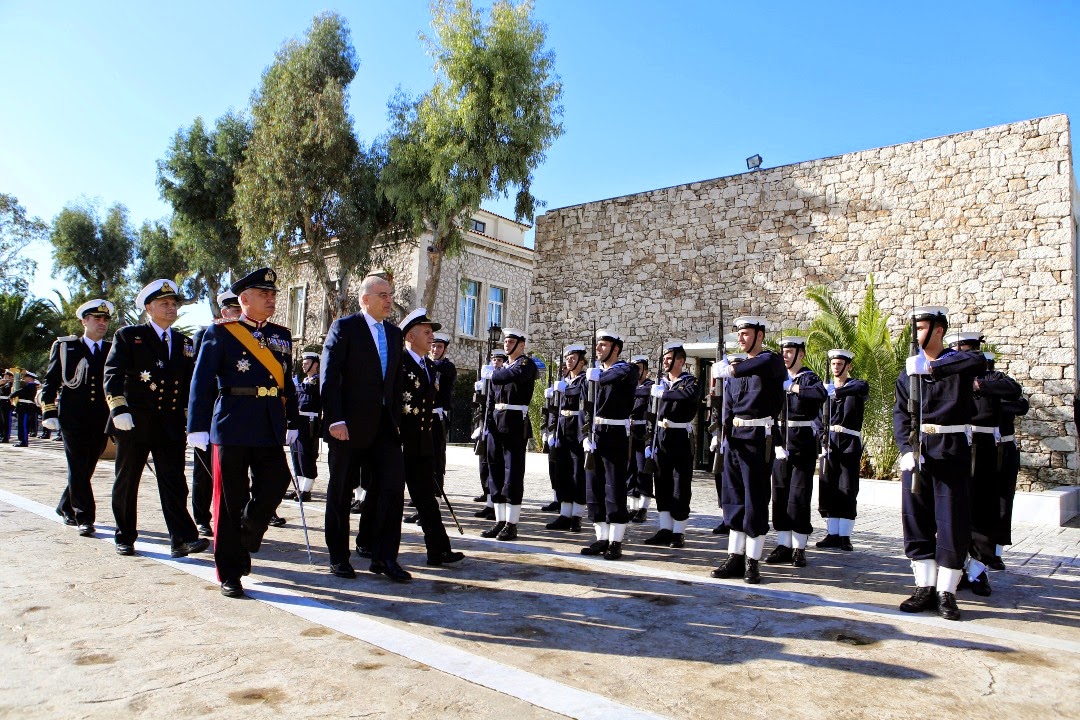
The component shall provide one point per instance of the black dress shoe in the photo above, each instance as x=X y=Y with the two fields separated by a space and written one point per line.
x=560 y=523
x=363 y=551
x=86 y=530
x=575 y=524
x=829 y=541
x=946 y=606
x=924 y=598
x=981 y=585
x=798 y=557
x=508 y=532
x=678 y=540
x=639 y=515
x=487 y=513
x=480 y=498
x=125 y=549
x=996 y=564
x=276 y=521
x=232 y=589
x=734 y=566
x=552 y=506
x=356 y=507
x=194 y=546
x=205 y=530
x=781 y=555
x=614 y=551
x=445 y=558
x=721 y=529
x=597 y=548
x=414 y=518
x=661 y=537
x=343 y=570
x=845 y=543
x=68 y=519
x=752 y=575
x=494 y=530
x=391 y=569
x=304 y=496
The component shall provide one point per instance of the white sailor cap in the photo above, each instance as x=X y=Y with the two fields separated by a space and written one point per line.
x=514 y=333
x=30 y=374
x=573 y=348
x=417 y=317
x=608 y=334
x=792 y=341
x=989 y=356
x=965 y=338
x=639 y=359
x=441 y=337
x=500 y=353
x=754 y=322
x=227 y=298
x=930 y=312
x=153 y=291
x=673 y=345
x=839 y=353
x=310 y=355
x=100 y=308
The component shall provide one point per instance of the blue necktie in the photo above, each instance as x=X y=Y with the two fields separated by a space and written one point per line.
x=381 y=331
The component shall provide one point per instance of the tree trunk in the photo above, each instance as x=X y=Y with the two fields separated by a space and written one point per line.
x=434 y=260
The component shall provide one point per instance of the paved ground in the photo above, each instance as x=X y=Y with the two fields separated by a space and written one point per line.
x=526 y=629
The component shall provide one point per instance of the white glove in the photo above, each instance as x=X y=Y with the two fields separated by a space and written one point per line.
x=549 y=393
x=587 y=445
x=486 y=371
x=553 y=442
x=648 y=452
x=478 y=386
x=593 y=374
x=723 y=369
x=714 y=442
x=787 y=384
x=907 y=461
x=781 y=453
x=123 y=421
x=290 y=436
x=560 y=386
x=657 y=390
x=51 y=424
x=831 y=389
x=918 y=364
x=199 y=440
x=475 y=433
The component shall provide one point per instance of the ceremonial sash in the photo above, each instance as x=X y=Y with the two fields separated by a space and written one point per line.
x=262 y=354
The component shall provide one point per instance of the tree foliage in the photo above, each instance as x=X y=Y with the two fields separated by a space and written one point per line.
x=481 y=130
x=90 y=254
x=159 y=256
x=17 y=232
x=27 y=329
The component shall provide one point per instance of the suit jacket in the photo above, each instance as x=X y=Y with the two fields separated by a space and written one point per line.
x=353 y=388
x=419 y=396
x=224 y=364
x=139 y=380
x=83 y=406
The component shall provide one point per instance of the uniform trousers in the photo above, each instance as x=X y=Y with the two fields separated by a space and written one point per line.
x=675 y=463
x=82 y=448
x=5 y=424
x=746 y=485
x=570 y=471
x=420 y=479
x=638 y=482
x=985 y=497
x=305 y=449
x=439 y=429
x=485 y=471
x=606 y=482
x=506 y=466
x=838 y=485
x=792 y=488
x=937 y=521
x=26 y=421
x=248 y=484
x=167 y=451
x=202 y=487
x=1006 y=484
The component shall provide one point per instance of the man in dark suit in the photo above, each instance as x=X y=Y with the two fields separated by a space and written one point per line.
x=361 y=393
x=243 y=405
x=73 y=399
x=147 y=378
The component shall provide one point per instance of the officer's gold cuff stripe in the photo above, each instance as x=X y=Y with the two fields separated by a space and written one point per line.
x=116 y=401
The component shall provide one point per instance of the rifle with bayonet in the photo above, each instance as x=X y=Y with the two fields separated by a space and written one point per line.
x=590 y=407
x=481 y=442
x=547 y=413
x=716 y=400
x=914 y=407
x=651 y=466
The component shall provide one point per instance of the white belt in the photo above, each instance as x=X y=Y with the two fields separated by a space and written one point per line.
x=519 y=408
x=800 y=423
x=1008 y=438
x=608 y=421
x=846 y=431
x=313 y=416
x=670 y=425
x=987 y=430
x=933 y=429
x=440 y=412
x=569 y=413
x=753 y=422
x=640 y=422
x=28 y=402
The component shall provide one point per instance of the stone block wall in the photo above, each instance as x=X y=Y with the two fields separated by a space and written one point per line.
x=984 y=222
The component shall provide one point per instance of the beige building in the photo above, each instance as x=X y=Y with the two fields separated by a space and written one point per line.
x=984 y=222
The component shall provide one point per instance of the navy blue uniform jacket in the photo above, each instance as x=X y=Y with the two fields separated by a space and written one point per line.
x=756 y=391
x=948 y=399
x=139 y=381
x=76 y=407
x=513 y=385
x=847 y=407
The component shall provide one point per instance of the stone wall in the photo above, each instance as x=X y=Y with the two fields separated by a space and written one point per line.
x=982 y=222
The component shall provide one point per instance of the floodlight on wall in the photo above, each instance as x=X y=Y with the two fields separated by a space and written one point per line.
x=753 y=162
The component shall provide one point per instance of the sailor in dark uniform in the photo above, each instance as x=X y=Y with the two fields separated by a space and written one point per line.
x=605 y=434
x=305 y=449
x=639 y=484
x=420 y=385
x=26 y=408
x=564 y=439
x=73 y=399
x=755 y=393
x=447 y=373
x=243 y=406
x=796 y=455
x=677 y=391
x=6 y=387
x=718 y=442
x=838 y=482
x=147 y=378
x=481 y=430
x=936 y=519
x=1008 y=471
x=509 y=432
x=202 y=480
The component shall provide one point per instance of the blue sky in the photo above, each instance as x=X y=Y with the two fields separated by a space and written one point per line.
x=655 y=93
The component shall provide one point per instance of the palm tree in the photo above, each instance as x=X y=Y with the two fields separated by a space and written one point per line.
x=27 y=329
x=878 y=360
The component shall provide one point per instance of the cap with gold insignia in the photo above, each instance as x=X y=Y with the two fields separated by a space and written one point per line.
x=750 y=322
x=792 y=341
x=227 y=298
x=441 y=337
x=96 y=308
x=417 y=317
x=840 y=353
x=155 y=291
x=261 y=279
x=513 y=333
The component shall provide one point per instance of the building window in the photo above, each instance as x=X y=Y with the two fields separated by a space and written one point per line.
x=478 y=226
x=470 y=294
x=295 y=313
x=496 y=305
